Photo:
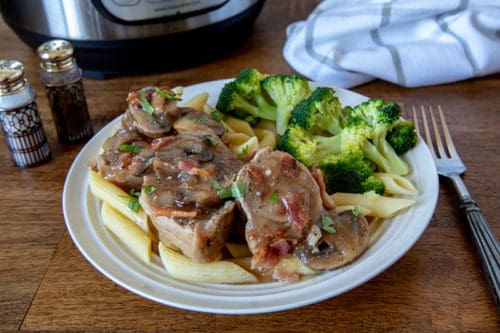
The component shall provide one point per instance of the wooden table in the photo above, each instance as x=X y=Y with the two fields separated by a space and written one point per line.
x=46 y=284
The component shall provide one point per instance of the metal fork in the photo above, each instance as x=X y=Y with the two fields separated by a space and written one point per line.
x=449 y=165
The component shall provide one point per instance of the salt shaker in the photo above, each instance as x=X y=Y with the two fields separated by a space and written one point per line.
x=21 y=123
x=62 y=78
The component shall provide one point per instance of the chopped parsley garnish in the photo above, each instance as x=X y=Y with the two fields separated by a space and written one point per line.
x=236 y=190
x=146 y=106
x=211 y=140
x=133 y=201
x=129 y=148
x=200 y=119
x=357 y=210
x=242 y=152
x=274 y=197
x=148 y=189
x=167 y=94
x=327 y=224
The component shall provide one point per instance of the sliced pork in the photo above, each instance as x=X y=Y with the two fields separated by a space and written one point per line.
x=184 y=207
x=281 y=203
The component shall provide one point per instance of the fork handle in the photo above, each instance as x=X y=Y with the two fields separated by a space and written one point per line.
x=484 y=239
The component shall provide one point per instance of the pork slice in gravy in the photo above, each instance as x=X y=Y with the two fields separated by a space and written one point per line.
x=281 y=204
x=185 y=208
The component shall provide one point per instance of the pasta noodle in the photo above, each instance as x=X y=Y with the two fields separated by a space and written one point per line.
x=238 y=250
x=222 y=271
x=240 y=126
x=266 y=137
x=127 y=231
x=378 y=205
x=116 y=198
x=364 y=210
x=247 y=148
x=198 y=102
x=395 y=184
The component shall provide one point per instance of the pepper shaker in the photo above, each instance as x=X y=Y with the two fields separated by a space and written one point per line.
x=62 y=78
x=21 y=123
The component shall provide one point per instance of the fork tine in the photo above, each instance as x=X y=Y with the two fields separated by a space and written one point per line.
x=427 y=133
x=447 y=136
x=437 y=135
x=415 y=119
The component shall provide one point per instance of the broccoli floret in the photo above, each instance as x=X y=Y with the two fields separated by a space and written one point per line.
x=248 y=81
x=402 y=136
x=374 y=146
x=306 y=147
x=374 y=118
x=232 y=102
x=320 y=113
x=375 y=112
x=252 y=96
x=285 y=91
x=349 y=171
x=373 y=184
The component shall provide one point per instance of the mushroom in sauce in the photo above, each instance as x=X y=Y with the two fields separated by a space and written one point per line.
x=345 y=240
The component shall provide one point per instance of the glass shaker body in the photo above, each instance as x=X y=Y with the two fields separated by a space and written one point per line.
x=62 y=79
x=21 y=124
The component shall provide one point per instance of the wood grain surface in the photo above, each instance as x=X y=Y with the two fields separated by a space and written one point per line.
x=438 y=286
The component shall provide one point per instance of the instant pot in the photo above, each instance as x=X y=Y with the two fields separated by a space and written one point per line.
x=117 y=37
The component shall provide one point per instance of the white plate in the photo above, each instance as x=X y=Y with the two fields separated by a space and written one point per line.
x=151 y=281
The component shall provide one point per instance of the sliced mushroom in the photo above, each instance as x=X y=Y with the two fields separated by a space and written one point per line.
x=157 y=124
x=344 y=243
x=193 y=120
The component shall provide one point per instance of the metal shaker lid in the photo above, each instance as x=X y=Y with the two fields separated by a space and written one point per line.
x=56 y=55
x=12 y=77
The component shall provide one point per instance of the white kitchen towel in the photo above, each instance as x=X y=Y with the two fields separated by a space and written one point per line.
x=411 y=43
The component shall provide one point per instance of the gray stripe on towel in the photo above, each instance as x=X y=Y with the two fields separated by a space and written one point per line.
x=393 y=51
x=443 y=25
x=325 y=59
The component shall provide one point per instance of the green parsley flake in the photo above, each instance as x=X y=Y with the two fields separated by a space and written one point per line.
x=148 y=189
x=200 y=119
x=146 y=106
x=167 y=94
x=242 y=152
x=211 y=140
x=274 y=197
x=133 y=201
x=129 y=148
x=236 y=190
x=327 y=224
x=357 y=210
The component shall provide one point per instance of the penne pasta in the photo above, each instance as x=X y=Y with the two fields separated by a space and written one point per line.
x=238 y=250
x=365 y=211
x=246 y=148
x=268 y=125
x=294 y=265
x=378 y=205
x=240 y=126
x=116 y=198
x=222 y=271
x=128 y=232
x=235 y=138
x=395 y=184
x=198 y=102
x=266 y=137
